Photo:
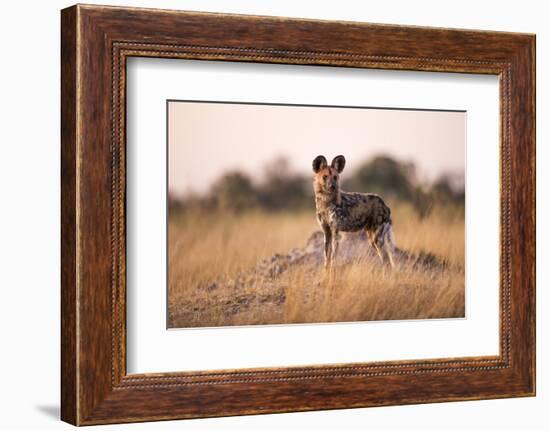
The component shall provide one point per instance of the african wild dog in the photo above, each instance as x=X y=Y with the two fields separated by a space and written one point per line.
x=339 y=211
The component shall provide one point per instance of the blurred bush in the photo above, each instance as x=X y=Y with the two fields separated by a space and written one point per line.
x=384 y=176
x=281 y=189
x=234 y=191
x=398 y=181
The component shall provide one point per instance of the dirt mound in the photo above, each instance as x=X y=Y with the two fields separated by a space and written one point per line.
x=263 y=289
x=353 y=247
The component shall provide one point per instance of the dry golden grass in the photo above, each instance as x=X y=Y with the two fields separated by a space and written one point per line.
x=210 y=252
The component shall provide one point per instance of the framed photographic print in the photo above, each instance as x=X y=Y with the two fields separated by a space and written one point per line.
x=237 y=215
x=265 y=214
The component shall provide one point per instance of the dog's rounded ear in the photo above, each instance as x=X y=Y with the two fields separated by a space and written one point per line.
x=338 y=163
x=319 y=163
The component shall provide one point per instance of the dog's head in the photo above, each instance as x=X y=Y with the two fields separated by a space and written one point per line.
x=327 y=178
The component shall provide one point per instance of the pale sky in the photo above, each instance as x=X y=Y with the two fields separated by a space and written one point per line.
x=205 y=140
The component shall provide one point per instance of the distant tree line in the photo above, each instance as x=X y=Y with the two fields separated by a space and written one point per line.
x=283 y=190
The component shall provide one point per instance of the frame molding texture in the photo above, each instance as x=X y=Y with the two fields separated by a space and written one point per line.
x=95 y=43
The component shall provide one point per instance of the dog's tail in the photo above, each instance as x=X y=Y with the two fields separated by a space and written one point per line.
x=387 y=236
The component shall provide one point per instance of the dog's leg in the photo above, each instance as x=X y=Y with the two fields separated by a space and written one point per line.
x=335 y=239
x=374 y=239
x=379 y=252
x=328 y=246
x=370 y=236
x=389 y=255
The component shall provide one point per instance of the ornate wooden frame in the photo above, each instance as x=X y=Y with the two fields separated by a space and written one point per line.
x=95 y=43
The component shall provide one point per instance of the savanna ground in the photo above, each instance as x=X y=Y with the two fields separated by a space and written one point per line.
x=262 y=267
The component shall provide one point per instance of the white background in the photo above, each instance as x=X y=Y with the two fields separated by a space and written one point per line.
x=29 y=227
x=151 y=348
